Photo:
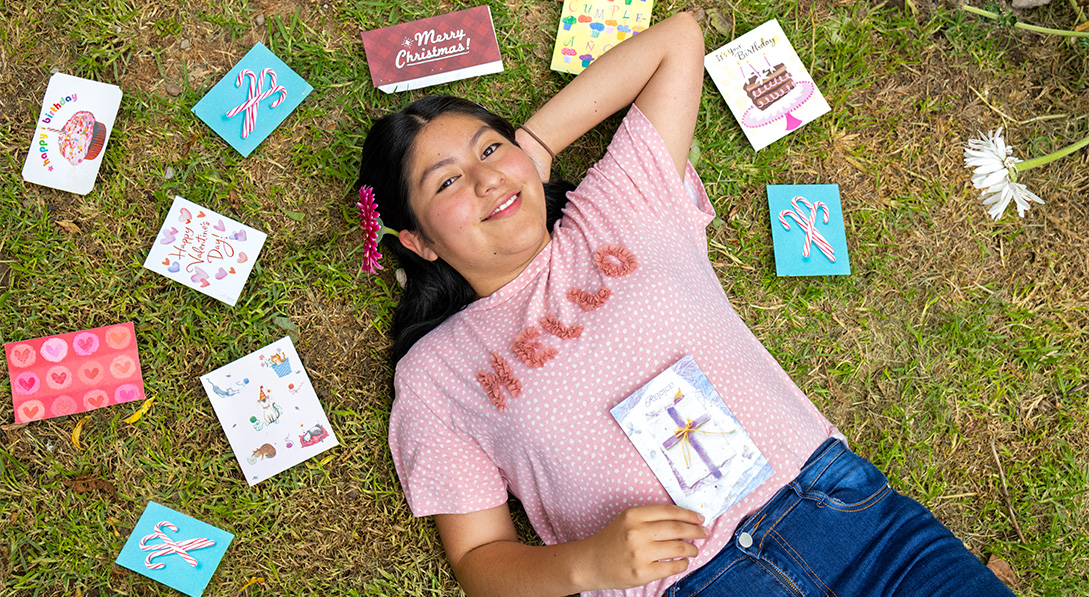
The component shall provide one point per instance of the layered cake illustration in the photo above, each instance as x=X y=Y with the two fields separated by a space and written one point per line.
x=768 y=87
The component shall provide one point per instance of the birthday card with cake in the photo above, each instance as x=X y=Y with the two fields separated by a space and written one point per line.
x=435 y=50
x=807 y=230
x=205 y=251
x=589 y=28
x=71 y=133
x=252 y=100
x=74 y=372
x=765 y=84
x=695 y=446
x=269 y=411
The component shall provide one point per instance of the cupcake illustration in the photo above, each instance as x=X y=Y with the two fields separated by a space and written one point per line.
x=586 y=59
x=567 y=54
x=622 y=32
x=610 y=25
x=596 y=29
x=637 y=30
x=585 y=18
x=567 y=22
x=81 y=138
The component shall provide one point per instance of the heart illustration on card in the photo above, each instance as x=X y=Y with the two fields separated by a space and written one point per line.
x=54 y=350
x=220 y=227
x=126 y=393
x=200 y=214
x=242 y=257
x=240 y=235
x=231 y=271
x=200 y=277
x=174 y=267
x=62 y=405
x=169 y=236
x=185 y=215
x=90 y=372
x=27 y=383
x=59 y=378
x=118 y=337
x=32 y=411
x=95 y=399
x=166 y=261
x=85 y=344
x=222 y=273
x=22 y=356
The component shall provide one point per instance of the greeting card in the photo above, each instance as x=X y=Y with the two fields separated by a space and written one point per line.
x=449 y=47
x=71 y=133
x=74 y=372
x=693 y=443
x=765 y=84
x=179 y=551
x=269 y=411
x=589 y=28
x=807 y=230
x=205 y=251
x=252 y=100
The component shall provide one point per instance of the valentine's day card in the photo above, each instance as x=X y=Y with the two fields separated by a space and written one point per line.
x=176 y=550
x=589 y=28
x=765 y=84
x=205 y=251
x=71 y=133
x=807 y=230
x=255 y=96
x=694 y=445
x=74 y=372
x=269 y=411
x=449 y=47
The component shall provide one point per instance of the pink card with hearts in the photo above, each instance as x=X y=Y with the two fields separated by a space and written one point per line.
x=74 y=372
x=205 y=251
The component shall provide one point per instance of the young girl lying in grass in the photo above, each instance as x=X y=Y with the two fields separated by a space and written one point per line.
x=520 y=328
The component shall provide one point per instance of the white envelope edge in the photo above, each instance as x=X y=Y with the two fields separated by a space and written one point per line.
x=488 y=68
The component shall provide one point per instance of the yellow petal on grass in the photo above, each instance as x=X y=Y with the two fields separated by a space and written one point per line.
x=77 y=430
x=254 y=579
x=140 y=412
x=1082 y=28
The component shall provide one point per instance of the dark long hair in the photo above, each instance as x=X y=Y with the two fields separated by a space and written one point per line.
x=434 y=290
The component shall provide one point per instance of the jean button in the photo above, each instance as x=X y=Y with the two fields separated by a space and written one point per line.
x=744 y=540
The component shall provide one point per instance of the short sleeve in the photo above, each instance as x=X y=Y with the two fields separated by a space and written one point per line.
x=442 y=471
x=637 y=175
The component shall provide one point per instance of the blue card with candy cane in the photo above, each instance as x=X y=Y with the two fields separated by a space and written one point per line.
x=179 y=551
x=807 y=230
x=252 y=100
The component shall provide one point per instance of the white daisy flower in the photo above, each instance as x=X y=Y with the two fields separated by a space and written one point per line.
x=996 y=173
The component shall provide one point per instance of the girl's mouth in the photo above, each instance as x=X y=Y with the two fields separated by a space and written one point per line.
x=502 y=207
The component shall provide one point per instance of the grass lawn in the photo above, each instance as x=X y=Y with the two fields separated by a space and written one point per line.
x=954 y=355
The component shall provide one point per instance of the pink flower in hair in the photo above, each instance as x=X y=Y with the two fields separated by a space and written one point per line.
x=372 y=229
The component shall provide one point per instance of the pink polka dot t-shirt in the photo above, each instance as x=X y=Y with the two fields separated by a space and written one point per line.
x=513 y=393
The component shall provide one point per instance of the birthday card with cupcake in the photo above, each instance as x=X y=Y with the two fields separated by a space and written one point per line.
x=71 y=133
x=765 y=84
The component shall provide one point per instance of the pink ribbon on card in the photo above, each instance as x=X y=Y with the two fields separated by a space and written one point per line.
x=808 y=224
x=256 y=96
x=169 y=546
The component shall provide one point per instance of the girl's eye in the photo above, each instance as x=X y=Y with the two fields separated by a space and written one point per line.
x=490 y=149
x=446 y=183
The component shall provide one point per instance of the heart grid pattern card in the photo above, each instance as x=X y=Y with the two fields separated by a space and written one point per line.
x=695 y=446
x=252 y=100
x=807 y=230
x=71 y=133
x=205 y=251
x=75 y=372
x=435 y=50
x=269 y=411
x=765 y=84
x=589 y=28
x=176 y=550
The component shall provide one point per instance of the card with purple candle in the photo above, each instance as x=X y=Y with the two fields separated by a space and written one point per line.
x=255 y=96
x=205 y=251
x=177 y=550
x=695 y=446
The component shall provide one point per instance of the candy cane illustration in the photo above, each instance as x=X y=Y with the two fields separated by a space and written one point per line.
x=169 y=546
x=255 y=98
x=808 y=224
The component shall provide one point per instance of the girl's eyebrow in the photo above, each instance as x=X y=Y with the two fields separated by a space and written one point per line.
x=439 y=164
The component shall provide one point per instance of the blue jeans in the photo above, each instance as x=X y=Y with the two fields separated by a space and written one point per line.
x=838 y=529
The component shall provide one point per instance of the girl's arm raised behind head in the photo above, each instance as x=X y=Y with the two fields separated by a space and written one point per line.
x=660 y=70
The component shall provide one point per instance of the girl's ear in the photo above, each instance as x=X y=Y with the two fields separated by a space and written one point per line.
x=415 y=243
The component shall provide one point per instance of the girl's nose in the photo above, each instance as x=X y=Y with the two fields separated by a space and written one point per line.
x=487 y=179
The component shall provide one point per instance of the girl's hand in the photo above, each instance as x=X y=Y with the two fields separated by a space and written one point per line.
x=643 y=544
x=536 y=152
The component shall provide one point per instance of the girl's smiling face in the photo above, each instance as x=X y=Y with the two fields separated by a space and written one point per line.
x=478 y=199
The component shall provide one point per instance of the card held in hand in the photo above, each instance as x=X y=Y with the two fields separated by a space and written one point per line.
x=695 y=446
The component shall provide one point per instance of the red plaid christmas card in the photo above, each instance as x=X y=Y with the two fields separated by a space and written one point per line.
x=449 y=47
